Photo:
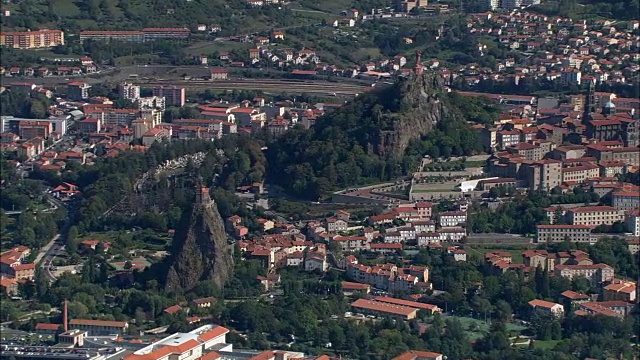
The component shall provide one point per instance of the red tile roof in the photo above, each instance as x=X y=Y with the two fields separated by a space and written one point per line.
x=542 y=304
x=383 y=307
x=47 y=326
x=213 y=333
x=413 y=304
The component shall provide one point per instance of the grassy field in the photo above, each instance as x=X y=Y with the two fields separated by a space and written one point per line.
x=516 y=254
x=478 y=328
x=208 y=47
x=545 y=344
x=333 y=7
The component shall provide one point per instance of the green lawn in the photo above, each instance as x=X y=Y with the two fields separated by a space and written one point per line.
x=478 y=328
x=333 y=7
x=545 y=344
x=516 y=254
x=208 y=47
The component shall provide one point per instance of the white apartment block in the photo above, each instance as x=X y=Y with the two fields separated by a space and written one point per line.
x=632 y=222
x=452 y=218
x=129 y=91
x=421 y=226
x=594 y=215
x=152 y=102
x=560 y=233
x=510 y=4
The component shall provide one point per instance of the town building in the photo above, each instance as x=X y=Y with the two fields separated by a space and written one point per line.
x=173 y=95
x=632 y=222
x=594 y=215
x=621 y=290
x=129 y=91
x=596 y=273
x=560 y=233
x=78 y=90
x=125 y=36
x=37 y=39
x=185 y=346
x=452 y=218
x=99 y=327
x=546 y=307
x=382 y=309
x=626 y=200
x=335 y=225
x=419 y=355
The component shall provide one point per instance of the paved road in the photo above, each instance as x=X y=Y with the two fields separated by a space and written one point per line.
x=47 y=249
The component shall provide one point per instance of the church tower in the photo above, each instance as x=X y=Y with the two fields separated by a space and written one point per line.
x=202 y=195
x=590 y=102
x=418 y=68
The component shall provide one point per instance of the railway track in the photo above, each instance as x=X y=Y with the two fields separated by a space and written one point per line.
x=320 y=87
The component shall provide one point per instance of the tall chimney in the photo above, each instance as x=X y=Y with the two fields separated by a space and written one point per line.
x=65 y=321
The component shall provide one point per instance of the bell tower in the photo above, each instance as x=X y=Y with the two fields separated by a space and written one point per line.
x=590 y=102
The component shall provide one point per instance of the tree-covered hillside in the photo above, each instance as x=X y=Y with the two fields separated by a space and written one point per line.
x=616 y=9
x=69 y=15
x=350 y=145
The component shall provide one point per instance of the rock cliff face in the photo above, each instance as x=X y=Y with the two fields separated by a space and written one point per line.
x=419 y=109
x=201 y=251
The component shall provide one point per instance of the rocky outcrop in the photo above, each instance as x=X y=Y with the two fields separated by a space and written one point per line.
x=418 y=111
x=201 y=251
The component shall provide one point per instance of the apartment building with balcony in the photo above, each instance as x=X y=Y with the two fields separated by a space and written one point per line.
x=31 y=39
x=173 y=95
x=31 y=129
x=78 y=90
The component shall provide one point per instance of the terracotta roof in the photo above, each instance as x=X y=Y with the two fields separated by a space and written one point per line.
x=563 y=226
x=413 y=304
x=383 y=307
x=354 y=286
x=593 y=209
x=47 y=326
x=164 y=351
x=542 y=304
x=210 y=356
x=574 y=295
x=418 y=355
x=213 y=333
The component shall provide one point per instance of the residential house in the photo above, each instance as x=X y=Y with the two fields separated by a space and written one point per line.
x=546 y=307
x=335 y=225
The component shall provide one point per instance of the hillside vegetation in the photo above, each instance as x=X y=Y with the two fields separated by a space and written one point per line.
x=379 y=136
x=234 y=16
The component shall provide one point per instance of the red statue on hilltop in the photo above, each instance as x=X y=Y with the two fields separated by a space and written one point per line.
x=418 y=68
